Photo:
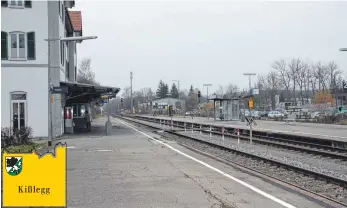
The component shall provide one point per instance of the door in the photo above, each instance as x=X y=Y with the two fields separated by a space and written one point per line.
x=18 y=114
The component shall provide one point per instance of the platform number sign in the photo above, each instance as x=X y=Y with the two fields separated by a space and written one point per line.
x=344 y=85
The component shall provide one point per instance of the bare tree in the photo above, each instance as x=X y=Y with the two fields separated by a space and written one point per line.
x=273 y=86
x=294 y=67
x=285 y=77
x=220 y=91
x=333 y=74
x=126 y=96
x=85 y=74
x=232 y=90
x=321 y=73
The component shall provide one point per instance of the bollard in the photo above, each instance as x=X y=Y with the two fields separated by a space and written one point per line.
x=192 y=128
x=185 y=129
x=160 y=121
x=171 y=124
x=238 y=136
x=200 y=129
x=210 y=131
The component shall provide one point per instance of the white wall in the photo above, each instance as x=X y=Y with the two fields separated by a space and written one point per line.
x=22 y=20
x=34 y=82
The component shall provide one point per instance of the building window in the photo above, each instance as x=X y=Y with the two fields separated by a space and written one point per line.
x=62 y=11
x=16 y=4
x=22 y=46
x=18 y=46
x=27 y=4
x=67 y=73
x=62 y=53
x=18 y=110
x=4 y=46
x=4 y=4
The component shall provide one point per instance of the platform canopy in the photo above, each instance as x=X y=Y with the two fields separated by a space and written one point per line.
x=85 y=93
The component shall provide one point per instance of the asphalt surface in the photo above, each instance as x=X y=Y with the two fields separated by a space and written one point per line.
x=127 y=169
x=324 y=131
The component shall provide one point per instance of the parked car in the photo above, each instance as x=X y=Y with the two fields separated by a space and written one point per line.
x=275 y=114
x=256 y=114
x=263 y=114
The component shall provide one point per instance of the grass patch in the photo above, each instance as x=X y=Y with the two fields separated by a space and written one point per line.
x=24 y=148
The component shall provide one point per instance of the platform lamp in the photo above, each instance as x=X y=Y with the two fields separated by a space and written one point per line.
x=50 y=84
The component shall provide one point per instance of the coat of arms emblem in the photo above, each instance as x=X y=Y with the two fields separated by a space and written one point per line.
x=14 y=165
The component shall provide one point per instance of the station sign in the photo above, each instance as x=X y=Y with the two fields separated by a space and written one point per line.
x=59 y=90
x=255 y=91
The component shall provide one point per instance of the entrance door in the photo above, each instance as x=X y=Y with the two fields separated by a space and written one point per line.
x=18 y=114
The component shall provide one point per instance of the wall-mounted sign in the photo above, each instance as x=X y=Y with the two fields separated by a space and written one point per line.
x=59 y=90
x=255 y=91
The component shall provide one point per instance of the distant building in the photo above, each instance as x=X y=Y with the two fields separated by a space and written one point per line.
x=341 y=98
x=178 y=105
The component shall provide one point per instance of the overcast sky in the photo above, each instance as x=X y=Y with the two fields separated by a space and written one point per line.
x=200 y=42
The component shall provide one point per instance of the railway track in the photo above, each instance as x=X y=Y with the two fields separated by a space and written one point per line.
x=316 y=149
x=328 y=189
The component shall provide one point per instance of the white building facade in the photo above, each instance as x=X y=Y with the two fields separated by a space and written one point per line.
x=24 y=63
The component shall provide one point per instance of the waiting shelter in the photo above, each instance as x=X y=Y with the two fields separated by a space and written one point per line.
x=227 y=108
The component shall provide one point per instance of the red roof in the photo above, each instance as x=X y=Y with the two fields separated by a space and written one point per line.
x=76 y=20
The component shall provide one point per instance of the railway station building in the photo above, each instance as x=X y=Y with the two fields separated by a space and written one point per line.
x=24 y=65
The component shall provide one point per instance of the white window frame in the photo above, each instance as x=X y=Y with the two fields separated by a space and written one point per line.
x=10 y=46
x=25 y=108
x=16 y=5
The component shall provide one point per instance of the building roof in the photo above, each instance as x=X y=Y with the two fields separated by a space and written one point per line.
x=78 y=92
x=76 y=20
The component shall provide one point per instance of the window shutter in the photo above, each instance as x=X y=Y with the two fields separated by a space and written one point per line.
x=4 y=3
x=31 y=46
x=4 y=46
x=27 y=4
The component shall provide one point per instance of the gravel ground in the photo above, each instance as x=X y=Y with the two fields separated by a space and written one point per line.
x=332 y=167
x=308 y=182
x=321 y=164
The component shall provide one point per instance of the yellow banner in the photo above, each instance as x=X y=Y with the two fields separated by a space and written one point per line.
x=33 y=180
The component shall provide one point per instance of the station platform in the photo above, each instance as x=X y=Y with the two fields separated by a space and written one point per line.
x=132 y=169
x=321 y=131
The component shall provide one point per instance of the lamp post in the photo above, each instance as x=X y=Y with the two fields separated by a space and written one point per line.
x=50 y=85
